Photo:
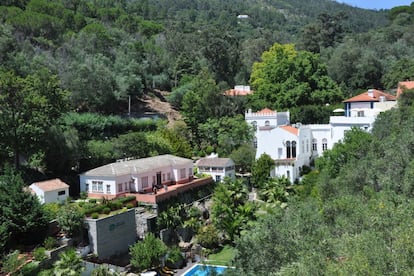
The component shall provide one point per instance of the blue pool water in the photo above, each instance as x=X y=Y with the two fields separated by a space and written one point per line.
x=204 y=270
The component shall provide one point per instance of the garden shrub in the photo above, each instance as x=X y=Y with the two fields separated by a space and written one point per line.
x=95 y=215
x=129 y=206
x=39 y=254
x=92 y=200
x=50 y=243
x=106 y=210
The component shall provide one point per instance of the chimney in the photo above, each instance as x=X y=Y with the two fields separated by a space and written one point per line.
x=371 y=93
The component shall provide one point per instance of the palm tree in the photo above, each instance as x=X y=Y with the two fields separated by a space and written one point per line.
x=69 y=263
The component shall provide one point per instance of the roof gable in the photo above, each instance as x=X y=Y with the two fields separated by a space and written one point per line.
x=372 y=95
x=51 y=185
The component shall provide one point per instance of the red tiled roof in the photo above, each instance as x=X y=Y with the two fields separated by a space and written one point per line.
x=51 y=185
x=236 y=92
x=290 y=129
x=366 y=97
x=403 y=85
x=265 y=111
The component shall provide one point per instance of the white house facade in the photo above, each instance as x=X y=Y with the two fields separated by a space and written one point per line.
x=139 y=175
x=295 y=146
x=54 y=190
x=217 y=168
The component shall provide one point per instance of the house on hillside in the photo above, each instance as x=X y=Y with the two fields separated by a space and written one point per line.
x=217 y=168
x=295 y=146
x=404 y=85
x=239 y=90
x=136 y=176
x=54 y=190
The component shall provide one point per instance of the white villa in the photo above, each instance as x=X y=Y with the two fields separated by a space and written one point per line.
x=139 y=175
x=295 y=146
x=54 y=190
x=217 y=168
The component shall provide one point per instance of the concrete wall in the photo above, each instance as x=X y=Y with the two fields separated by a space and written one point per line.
x=112 y=235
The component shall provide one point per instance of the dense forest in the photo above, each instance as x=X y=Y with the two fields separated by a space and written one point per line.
x=97 y=55
x=70 y=68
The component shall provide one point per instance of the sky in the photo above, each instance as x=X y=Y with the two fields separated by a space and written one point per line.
x=376 y=4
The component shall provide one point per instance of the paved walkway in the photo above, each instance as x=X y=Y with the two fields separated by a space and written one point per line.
x=184 y=269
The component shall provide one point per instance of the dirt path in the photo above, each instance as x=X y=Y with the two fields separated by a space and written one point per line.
x=159 y=104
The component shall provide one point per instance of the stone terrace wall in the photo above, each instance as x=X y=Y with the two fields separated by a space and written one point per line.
x=112 y=235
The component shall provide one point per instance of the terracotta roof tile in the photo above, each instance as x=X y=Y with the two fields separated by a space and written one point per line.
x=265 y=111
x=371 y=95
x=291 y=129
x=402 y=85
x=236 y=92
x=51 y=185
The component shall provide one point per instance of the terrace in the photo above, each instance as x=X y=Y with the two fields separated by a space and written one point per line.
x=171 y=191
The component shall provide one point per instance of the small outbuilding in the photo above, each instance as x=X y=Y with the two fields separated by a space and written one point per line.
x=54 y=190
x=217 y=167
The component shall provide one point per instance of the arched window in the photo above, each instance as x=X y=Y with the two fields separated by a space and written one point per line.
x=324 y=144
x=307 y=145
x=255 y=142
x=314 y=144
x=288 y=150
x=267 y=123
x=293 y=149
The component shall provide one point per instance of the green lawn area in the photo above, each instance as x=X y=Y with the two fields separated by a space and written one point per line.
x=223 y=257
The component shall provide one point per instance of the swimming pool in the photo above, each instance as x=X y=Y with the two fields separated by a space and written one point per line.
x=204 y=270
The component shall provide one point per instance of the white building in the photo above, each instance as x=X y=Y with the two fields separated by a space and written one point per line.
x=217 y=168
x=139 y=175
x=54 y=190
x=294 y=146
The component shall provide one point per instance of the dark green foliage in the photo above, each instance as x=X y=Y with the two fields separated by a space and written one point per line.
x=22 y=219
x=94 y=126
x=261 y=170
x=50 y=243
x=147 y=254
x=70 y=219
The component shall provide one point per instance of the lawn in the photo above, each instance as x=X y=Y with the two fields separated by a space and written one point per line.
x=223 y=257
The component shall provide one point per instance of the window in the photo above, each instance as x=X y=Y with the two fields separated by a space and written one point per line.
x=144 y=182
x=324 y=144
x=108 y=189
x=360 y=114
x=307 y=145
x=153 y=180
x=255 y=142
x=163 y=177
x=267 y=123
x=126 y=186
x=288 y=174
x=294 y=149
x=218 y=178
x=190 y=172
x=61 y=193
x=314 y=144
x=87 y=187
x=119 y=187
x=279 y=153
x=254 y=125
x=288 y=150
x=97 y=186
x=168 y=176
x=182 y=173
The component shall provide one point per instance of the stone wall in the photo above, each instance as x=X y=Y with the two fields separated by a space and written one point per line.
x=112 y=235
